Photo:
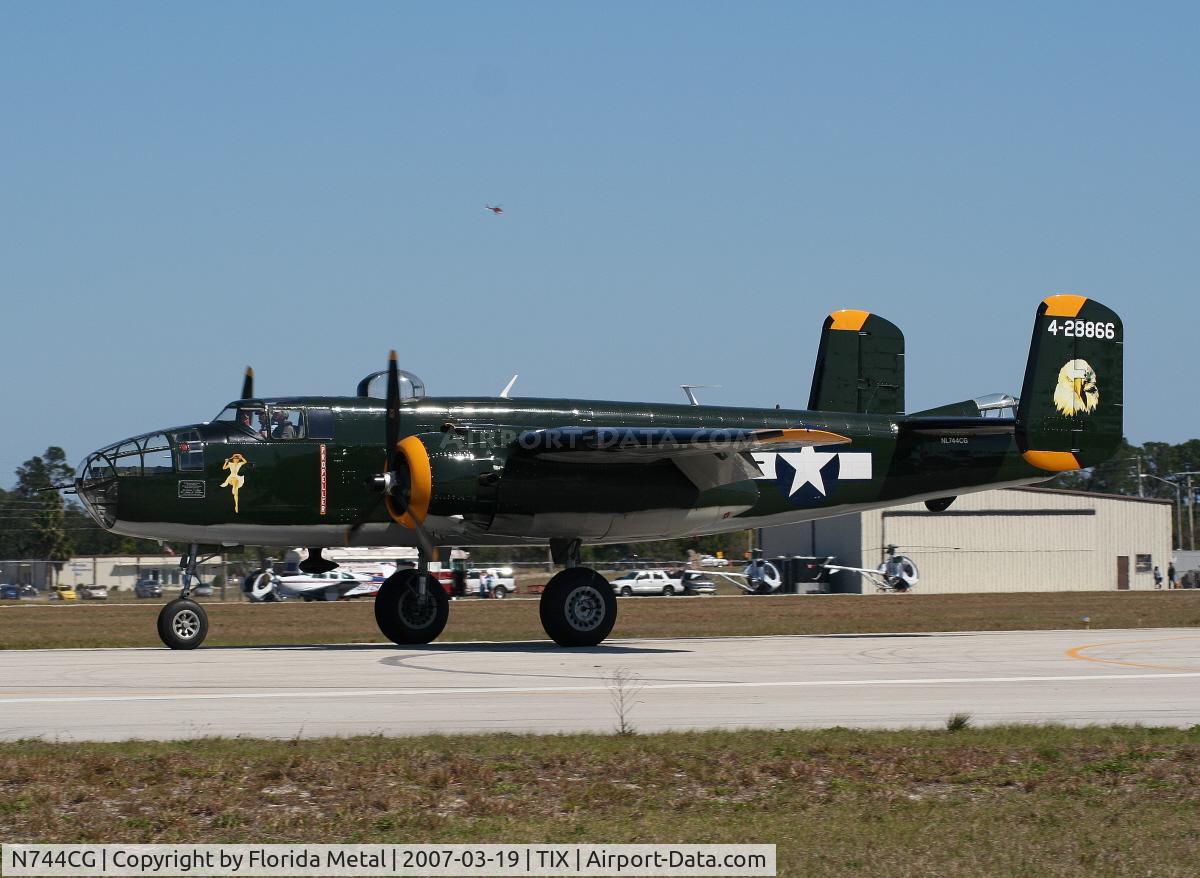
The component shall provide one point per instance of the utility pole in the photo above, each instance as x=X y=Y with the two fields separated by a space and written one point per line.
x=1178 y=505
x=1192 y=516
x=1191 y=509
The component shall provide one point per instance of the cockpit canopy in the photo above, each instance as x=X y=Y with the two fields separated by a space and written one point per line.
x=375 y=385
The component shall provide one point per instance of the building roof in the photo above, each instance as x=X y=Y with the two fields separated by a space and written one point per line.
x=1096 y=494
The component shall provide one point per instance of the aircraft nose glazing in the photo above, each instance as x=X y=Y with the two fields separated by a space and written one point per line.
x=96 y=486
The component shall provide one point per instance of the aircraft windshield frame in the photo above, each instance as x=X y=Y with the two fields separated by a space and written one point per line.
x=232 y=415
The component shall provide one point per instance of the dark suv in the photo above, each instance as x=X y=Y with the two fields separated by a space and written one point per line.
x=147 y=588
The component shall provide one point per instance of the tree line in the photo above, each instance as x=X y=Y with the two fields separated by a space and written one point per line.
x=38 y=524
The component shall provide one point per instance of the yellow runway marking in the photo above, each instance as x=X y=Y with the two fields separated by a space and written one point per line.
x=1076 y=652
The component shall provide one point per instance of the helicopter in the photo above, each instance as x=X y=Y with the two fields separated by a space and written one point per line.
x=403 y=468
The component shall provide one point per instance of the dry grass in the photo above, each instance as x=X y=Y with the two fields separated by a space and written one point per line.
x=999 y=801
x=29 y=627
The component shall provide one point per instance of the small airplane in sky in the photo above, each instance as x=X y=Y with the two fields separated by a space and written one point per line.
x=442 y=472
x=496 y=209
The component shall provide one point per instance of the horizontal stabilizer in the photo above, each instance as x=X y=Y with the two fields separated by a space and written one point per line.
x=951 y=425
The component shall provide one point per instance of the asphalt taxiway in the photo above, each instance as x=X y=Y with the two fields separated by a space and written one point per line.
x=1148 y=676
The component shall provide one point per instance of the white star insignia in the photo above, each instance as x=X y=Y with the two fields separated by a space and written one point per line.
x=808 y=464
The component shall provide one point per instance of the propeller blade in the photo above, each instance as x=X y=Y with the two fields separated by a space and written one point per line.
x=248 y=384
x=392 y=429
x=353 y=530
x=391 y=436
x=423 y=538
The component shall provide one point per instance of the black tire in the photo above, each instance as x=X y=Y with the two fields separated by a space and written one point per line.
x=626 y=591
x=403 y=615
x=668 y=591
x=499 y=592
x=578 y=607
x=182 y=624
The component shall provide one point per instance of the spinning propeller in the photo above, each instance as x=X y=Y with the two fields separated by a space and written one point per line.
x=406 y=483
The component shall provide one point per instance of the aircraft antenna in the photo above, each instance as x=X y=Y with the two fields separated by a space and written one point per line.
x=688 y=388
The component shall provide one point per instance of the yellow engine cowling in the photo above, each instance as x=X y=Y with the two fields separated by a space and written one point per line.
x=451 y=473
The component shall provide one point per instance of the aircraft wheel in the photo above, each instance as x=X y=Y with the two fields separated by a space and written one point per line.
x=578 y=607
x=182 y=624
x=404 y=615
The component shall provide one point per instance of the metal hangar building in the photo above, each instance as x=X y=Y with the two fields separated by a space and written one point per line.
x=1014 y=539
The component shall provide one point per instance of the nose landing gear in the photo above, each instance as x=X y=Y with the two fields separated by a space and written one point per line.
x=182 y=623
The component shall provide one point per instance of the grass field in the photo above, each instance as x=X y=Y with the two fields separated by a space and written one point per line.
x=240 y=624
x=1022 y=801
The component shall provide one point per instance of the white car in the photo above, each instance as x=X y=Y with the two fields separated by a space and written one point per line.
x=646 y=582
x=713 y=561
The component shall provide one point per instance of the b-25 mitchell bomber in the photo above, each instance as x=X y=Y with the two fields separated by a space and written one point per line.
x=435 y=472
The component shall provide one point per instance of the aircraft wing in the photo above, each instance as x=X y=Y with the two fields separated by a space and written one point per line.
x=708 y=457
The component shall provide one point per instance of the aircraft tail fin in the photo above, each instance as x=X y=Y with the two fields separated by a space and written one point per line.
x=860 y=365
x=1070 y=413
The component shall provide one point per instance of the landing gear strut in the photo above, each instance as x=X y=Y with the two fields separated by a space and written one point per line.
x=578 y=607
x=182 y=623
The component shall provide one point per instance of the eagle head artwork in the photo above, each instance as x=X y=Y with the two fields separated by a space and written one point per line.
x=1076 y=391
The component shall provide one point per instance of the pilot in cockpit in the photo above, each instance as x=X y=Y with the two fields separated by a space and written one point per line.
x=283 y=428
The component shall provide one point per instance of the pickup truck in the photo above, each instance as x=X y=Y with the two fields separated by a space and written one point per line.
x=502 y=586
x=647 y=582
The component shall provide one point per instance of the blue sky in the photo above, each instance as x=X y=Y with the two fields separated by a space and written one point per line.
x=689 y=188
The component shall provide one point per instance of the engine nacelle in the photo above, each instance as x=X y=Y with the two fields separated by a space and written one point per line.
x=452 y=473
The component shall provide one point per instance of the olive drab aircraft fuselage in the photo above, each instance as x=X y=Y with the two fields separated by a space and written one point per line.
x=411 y=469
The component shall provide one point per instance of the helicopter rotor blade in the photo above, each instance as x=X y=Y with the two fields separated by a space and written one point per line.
x=248 y=384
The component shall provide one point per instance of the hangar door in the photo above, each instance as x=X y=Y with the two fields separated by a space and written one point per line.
x=997 y=549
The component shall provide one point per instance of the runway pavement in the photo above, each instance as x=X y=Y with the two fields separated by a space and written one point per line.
x=1148 y=676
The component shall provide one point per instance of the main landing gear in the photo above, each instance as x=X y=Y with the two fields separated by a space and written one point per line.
x=182 y=623
x=412 y=606
x=578 y=607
